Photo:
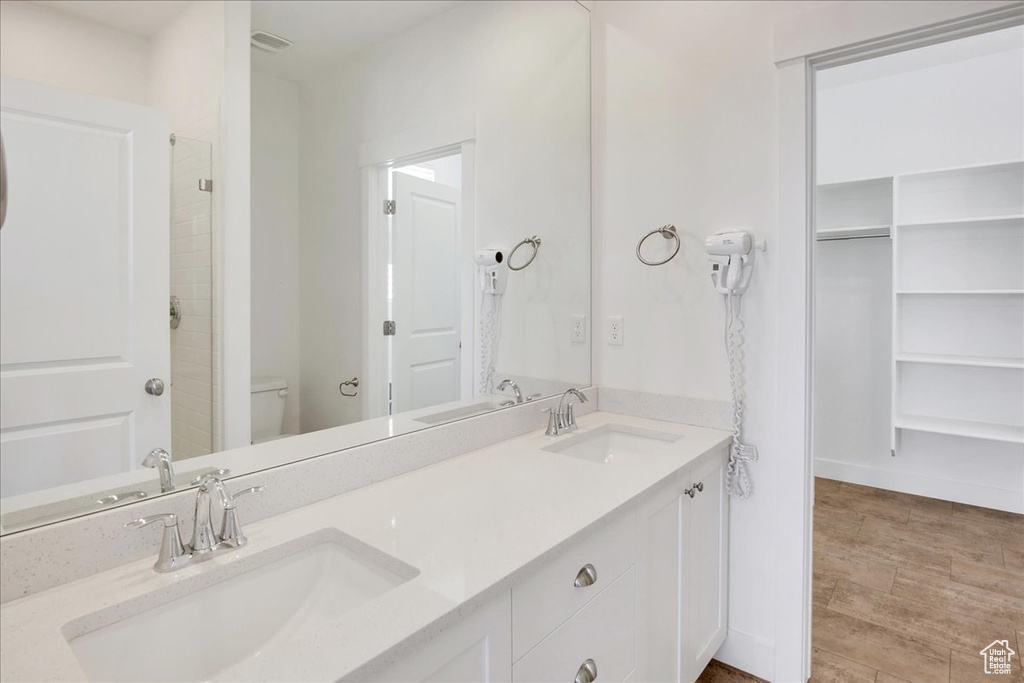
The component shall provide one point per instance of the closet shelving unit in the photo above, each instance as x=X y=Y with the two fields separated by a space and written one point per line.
x=958 y=303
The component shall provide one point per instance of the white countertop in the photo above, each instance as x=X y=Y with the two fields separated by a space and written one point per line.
x=468 y=524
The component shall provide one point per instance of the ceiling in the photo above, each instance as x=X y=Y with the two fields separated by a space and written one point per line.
x=923 y=58
x=324 y=32
x=141 y=17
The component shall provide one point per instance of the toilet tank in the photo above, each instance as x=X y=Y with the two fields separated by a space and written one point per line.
x=268 y=395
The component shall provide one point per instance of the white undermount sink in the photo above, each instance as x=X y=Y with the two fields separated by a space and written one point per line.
x=458 y=413
x=251 y=614
x=611 y=442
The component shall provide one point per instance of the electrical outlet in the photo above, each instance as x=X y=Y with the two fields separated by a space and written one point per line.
x=579 y=329
x=614 y=330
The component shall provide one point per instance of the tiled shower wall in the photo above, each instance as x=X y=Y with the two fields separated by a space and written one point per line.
x=192 y=251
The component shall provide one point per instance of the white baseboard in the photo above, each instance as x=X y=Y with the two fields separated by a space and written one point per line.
x=748 y=653
x=921 y=485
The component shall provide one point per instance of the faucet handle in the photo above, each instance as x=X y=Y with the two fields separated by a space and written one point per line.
x=172 y=551
x=553 y=421
x=231 y=529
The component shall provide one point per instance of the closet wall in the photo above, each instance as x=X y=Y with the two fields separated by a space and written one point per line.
x=955 y=105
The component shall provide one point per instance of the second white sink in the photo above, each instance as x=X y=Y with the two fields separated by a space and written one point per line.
x=610 y=442
x=247 y=616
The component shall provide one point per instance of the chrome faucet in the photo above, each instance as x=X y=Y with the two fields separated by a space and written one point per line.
x=507 y=383
x=161 y=460
x=564 y=420
x=173 y=553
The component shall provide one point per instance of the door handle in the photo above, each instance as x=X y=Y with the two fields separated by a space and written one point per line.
x=155 y=386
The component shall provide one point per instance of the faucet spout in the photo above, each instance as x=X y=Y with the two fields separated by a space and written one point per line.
x=508 y=383
x=161 y=460
x=566 y=419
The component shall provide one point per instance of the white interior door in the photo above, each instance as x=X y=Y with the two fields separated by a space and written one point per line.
x=425 y=280
x=83 y=286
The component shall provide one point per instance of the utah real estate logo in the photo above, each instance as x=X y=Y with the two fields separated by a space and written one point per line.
x=997 y=657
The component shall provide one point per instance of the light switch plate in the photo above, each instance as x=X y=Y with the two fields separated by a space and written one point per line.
x=614 y=330
x=579 y=329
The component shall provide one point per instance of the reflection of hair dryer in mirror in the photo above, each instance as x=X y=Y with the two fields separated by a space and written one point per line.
x=732 y=260
x=493 y=273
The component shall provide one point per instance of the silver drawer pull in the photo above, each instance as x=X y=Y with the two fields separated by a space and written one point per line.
x=586 y=577
x=587 y=672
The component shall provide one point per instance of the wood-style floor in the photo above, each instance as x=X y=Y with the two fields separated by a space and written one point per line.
x=909 y=589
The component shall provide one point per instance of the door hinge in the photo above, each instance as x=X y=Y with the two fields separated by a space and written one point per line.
x=389 y=328
x=389 y=207
x=205 y=185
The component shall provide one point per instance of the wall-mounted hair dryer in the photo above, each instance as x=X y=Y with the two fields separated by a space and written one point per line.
x=732 y=260
x=493 y=274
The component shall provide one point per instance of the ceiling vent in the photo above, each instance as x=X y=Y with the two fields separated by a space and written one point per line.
x=268 y=42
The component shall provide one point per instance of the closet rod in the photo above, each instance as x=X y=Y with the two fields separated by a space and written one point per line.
x=859 y=233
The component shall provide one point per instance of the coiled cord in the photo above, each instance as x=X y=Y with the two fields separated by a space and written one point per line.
x=737 y=479
x=490 y=333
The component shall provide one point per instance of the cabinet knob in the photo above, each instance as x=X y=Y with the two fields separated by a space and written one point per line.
x=586 y=577
x=699 y=486
x=691 y=492
x=587 y=672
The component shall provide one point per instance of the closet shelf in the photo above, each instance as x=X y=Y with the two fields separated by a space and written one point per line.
x=853 y=232
x=917 y=292
x=971 y=361
x=976 y=430
x=979 y=220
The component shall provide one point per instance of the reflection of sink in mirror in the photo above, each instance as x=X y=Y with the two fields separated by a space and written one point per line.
x=251 y=616
x=610 y=442
x=99 y=500
x=459 y=413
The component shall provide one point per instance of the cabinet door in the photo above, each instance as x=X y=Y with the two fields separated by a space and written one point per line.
x=706 y=518
x=661 y=581
x=478 y=648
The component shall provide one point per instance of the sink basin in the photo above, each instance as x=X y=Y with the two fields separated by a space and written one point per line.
x=251 y=614
x=612 y=442
x=457 y=413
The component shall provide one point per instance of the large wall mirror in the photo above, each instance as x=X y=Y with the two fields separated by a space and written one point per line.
x=420 y=239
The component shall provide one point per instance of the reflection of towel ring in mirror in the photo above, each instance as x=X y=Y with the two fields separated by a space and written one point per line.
x=668 y=231
x=532 y=241
x=354 y=382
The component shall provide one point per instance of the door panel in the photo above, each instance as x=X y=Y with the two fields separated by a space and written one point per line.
x=708 y=528
x=83 y=286
x=425 y=241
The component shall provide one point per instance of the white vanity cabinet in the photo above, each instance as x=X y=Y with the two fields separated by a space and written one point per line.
x=640 y=597
x=682 y=570
x=476 y=648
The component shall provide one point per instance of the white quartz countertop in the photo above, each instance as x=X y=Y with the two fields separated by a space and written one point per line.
x=468 y=524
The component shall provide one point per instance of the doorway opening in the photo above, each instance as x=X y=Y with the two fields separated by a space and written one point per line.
x=420 y=282
x=917 y=392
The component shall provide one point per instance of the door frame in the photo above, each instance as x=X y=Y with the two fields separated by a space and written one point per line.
x=804 y=44
x=376 y=159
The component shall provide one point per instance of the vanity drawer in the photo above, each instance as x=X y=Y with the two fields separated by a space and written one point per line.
x=604 y=631
x=548 y=596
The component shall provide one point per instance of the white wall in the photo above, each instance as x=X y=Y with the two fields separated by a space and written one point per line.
x=686 y=132
x=528 y=100
x=275 y=235
x=958 y=113
x=57 y=48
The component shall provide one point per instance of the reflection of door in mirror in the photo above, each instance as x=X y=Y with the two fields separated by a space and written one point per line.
x=426 y=347
x=84 y=282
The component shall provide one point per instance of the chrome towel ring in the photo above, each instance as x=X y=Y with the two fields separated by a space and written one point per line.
x=668 y=231
x=532 y=241
x=354 y=383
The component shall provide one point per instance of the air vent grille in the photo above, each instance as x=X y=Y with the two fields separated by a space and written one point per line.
x=268 y=41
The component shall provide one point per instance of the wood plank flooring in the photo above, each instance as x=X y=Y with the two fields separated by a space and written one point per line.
x=909 y=589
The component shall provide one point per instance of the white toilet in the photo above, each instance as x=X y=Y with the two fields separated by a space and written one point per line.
x=268 y=396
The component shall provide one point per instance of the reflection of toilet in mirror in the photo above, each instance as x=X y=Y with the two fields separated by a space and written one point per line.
x=268 y=395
